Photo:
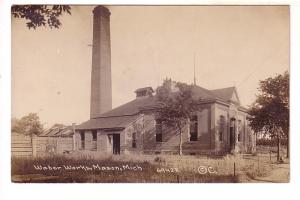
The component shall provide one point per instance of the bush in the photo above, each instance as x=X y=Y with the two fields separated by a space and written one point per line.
x=270 y=142
x=159 y=160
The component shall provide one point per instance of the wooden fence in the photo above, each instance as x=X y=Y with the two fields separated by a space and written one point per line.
x=53 y=145
x=22 y=145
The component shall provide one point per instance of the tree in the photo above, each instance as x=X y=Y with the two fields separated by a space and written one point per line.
x=40 y=15
x=27 y=125
x=269 y=114
x=175 y=107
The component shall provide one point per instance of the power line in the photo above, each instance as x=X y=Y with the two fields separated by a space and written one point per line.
x=256 y=69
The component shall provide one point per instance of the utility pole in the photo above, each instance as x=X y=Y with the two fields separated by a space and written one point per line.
x=194 y=69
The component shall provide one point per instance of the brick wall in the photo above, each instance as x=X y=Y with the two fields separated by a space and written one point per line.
x=171 y=136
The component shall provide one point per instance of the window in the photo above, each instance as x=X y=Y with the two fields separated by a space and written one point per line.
x=221 y=127
x=133 y=140
x=232 y=132
x=158 y=131
x=239 y=130
x=94 y=141
x=194 y=128
x=82 y=139
x=94 y=133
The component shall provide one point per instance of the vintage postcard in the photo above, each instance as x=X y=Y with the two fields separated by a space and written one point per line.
x=150 y=94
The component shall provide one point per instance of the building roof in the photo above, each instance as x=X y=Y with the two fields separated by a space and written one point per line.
x=58 y=130
x=116 y=122
x=132 y=107
x=200 y=92
x=224 y=93
x=121 y=116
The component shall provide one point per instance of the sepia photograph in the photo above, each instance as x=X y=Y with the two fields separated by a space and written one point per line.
x=150 y=93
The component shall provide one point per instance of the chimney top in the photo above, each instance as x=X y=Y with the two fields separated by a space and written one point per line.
x=101 y=10
x=144 y=92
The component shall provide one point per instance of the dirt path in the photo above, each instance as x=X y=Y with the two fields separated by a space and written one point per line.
x=280 y=174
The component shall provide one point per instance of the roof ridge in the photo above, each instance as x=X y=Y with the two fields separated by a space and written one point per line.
x=119 y=110
x=223 y=88
x=226 y=93
x=116 y=116
x=207 y=90
x=103 y=114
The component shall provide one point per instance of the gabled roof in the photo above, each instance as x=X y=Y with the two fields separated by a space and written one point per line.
x=125 y=114
x=58 y=130
x=119 y=117
x=200 y=92
x=116 y=122
x=227 y=94
x=132 y=107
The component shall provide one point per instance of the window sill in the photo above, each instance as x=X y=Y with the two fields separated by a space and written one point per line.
x=194 y=141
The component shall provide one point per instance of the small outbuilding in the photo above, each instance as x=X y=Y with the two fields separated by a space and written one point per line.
x=55 y=140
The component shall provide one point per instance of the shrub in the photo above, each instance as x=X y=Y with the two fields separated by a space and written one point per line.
x=270 y=142
x=159 y=160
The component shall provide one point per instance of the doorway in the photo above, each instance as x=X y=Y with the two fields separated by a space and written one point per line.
x=232 y=133
x=82 y=140
x=116 y=143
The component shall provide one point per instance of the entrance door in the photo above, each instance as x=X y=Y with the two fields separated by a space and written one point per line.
x=232 y=133
x=82 y=140
x=116 y=143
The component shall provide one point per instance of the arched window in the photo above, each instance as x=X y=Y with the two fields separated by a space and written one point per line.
x=133 y=140
x=158 y=130
x=232 y=132
x=240 y=129
x=94 y=141
x=221 y=127
x=194 y=128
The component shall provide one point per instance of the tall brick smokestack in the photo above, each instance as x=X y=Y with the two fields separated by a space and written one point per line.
x=101 y=97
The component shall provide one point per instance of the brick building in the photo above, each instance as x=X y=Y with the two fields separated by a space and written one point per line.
x=219 y=126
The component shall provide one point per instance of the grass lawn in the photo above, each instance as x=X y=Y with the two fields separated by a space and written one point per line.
x=141 y=169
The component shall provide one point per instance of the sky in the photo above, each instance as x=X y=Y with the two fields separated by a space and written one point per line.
x=232 y=45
